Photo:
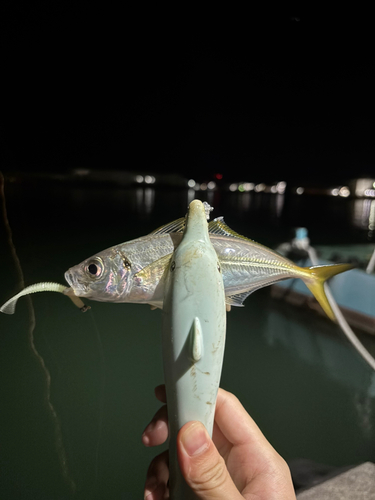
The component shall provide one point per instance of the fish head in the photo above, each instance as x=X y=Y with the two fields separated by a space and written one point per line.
x=105 y=276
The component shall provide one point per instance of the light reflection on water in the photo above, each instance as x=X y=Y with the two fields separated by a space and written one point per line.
x=309 y=391
x=145 y=200
x=364 y=215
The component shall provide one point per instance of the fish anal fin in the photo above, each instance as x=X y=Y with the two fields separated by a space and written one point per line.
x=237 y=298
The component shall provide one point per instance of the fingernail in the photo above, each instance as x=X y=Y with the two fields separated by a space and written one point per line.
x=195 y=439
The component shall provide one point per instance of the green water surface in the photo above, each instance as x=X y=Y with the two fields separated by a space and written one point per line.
x=294 y=371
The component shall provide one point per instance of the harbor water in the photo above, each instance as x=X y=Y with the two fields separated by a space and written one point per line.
x=77 y=389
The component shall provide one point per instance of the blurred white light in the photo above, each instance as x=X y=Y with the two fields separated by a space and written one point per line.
x=300 y=190
x=191 y=183
x=203 y=186
x=371 y=219
x=82 y=171
x=370 y=192
x=344 y=191
x=273 y=189
x=211 y=185
x=362 y=185
x=248 y=186
x=148 y=179
x=335 y=191
x=191 y=195
x=139 y=178
x=280 y=187
x=233 y=187
x=260 y=187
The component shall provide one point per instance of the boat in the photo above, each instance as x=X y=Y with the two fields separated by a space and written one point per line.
x=354 y=290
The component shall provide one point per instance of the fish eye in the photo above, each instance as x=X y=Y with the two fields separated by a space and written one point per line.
x=94 y=269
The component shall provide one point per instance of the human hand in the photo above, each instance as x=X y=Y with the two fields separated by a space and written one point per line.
x=237 y=463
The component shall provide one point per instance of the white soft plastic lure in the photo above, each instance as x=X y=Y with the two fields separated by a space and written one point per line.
x=10 y=305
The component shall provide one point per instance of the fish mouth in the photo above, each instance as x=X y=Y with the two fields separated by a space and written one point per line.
x=69 y=278
x=77 y=287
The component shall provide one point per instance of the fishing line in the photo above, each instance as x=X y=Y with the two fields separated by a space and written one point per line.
x=47 y=377
x=102 y=368
x=352 y=337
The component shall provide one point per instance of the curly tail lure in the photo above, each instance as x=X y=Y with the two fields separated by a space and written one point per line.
x=10 y=306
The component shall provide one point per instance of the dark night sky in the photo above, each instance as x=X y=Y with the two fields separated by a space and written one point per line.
x=258 y=94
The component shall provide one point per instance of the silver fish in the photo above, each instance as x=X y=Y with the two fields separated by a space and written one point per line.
x=135 y=271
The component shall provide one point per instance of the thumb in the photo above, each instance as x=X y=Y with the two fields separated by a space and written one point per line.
x=202 y=466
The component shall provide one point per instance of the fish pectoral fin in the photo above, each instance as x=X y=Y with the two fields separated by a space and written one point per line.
x=155 y=270
x=177 y=226
x=157 y=304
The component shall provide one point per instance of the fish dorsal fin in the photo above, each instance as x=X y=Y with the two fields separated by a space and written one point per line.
x=155 y=270
x=218 y=226
x=177 y=226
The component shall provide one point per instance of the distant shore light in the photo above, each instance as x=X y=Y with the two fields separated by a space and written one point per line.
x=300 y=190
x=139 y=178
x=82 y=171
x=191 y=183
x=280 y=187
x=211 y=185
x=260 y=187
x=248 y=186
x=344 y=191
x=233 y=187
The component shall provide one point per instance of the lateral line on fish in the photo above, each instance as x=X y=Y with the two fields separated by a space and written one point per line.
x=270 y=264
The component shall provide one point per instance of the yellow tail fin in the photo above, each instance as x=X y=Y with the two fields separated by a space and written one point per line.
x=316 y=276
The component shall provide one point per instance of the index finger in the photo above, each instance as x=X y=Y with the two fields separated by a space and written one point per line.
x=231 y=418
x=235 y=423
